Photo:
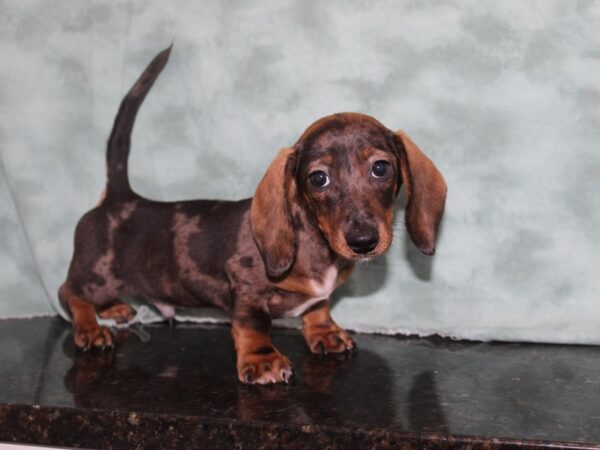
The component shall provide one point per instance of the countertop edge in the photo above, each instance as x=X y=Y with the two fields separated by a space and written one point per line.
x=95 y=428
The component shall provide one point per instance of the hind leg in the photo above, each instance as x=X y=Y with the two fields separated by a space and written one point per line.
x=119 y=311
x=87 y=333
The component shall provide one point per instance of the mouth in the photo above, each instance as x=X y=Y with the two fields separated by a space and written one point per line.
x=366 y=256
x=345 y=252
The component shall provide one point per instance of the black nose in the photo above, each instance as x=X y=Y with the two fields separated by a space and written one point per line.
x=363 y=240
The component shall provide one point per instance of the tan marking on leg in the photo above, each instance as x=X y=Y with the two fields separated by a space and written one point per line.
x=322 y=334
x=86 y=331
x=255 y=363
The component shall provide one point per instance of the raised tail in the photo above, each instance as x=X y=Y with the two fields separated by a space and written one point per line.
x=120 y=138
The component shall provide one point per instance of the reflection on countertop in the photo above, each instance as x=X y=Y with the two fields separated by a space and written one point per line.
x=177 y=387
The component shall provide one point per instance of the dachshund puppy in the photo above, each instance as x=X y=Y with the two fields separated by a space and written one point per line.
x=322 y=205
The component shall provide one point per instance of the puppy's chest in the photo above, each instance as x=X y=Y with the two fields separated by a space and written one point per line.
x=297 y=293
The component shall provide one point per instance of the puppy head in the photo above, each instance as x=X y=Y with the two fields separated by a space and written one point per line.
x=346 y=171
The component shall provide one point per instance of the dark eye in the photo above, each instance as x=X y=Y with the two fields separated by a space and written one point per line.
x=319 y=179
x=380 y=169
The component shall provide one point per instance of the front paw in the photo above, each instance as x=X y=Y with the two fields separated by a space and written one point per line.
x=326 y=338
x=264 y=367
x=90 y=336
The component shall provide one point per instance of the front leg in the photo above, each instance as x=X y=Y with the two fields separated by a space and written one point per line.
x=258 y=361
x=322 y=334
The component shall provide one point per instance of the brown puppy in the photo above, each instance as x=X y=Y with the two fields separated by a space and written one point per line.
x=323 y=204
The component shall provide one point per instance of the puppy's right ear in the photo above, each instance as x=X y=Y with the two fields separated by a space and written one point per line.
x=270 y=218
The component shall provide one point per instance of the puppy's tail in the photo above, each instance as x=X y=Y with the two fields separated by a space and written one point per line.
x=119 y=141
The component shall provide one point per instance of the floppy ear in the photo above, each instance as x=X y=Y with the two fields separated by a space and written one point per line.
x=426 y=193
x=270 y=218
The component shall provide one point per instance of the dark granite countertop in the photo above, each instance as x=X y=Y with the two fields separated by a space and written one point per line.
x=176 y=387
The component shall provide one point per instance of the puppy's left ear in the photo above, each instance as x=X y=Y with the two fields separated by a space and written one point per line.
x=426 y=193
x=270 y=218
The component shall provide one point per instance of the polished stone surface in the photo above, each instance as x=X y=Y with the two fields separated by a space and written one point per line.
x=173 y=387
